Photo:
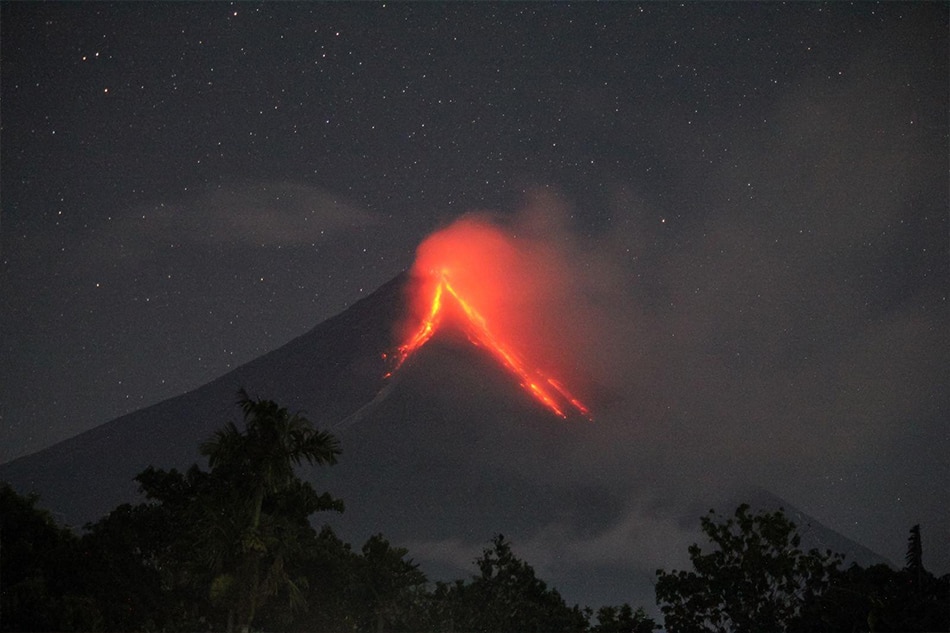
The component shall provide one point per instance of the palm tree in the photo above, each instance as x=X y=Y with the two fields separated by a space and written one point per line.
x=259 y=463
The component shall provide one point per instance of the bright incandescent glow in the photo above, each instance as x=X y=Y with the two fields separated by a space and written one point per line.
x=451 y=291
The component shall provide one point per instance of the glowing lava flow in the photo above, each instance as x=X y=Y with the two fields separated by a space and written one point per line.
x=549 y=392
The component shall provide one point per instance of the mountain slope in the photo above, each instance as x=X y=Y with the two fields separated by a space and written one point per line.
x=328 y=373
x=439 y=458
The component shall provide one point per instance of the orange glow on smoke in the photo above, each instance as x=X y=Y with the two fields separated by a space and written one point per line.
x=466 y=272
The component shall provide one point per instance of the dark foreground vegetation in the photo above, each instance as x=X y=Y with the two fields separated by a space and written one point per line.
x=233 y=548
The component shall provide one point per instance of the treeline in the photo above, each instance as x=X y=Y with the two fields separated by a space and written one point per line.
x=233 y=548
x=135 y=571
x=757 y=578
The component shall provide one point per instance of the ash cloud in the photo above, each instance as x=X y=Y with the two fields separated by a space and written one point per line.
x=789 y=331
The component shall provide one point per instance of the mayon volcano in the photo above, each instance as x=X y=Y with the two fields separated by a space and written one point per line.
x=444 y=445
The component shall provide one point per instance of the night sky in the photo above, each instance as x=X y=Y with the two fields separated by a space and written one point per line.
x=757 y=194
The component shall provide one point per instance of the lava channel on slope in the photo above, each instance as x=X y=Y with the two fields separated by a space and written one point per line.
x=546 y=390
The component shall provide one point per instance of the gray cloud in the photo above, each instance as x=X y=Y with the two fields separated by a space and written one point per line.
x=263 y=215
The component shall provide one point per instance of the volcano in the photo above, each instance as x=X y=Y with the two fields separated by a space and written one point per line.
x=447 y=451
x=439 y=296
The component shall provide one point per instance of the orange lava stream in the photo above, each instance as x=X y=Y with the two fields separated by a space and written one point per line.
x=536 y=383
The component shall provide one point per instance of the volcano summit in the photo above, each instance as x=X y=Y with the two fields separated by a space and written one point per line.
x=548 y=391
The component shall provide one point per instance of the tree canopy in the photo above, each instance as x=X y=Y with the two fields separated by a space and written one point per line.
x=257 y=519
x=755 y=578
x=234 y=547
x=506 y=595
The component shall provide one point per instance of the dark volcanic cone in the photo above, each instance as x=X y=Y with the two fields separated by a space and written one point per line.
x=438 y=431
x=448 y=452
x=456 y=446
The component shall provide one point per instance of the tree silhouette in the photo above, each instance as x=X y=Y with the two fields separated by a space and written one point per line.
x=623 y=619
x=506 y=595
x=757 y=578
x=40 y=570
x=258 y=466
x=385 y=581
x=914 y=559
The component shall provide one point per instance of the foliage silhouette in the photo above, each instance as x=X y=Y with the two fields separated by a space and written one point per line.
x=880 y=598
x=234 y=547
x=506 y=595
x=264 y=515
x=39 y=568
x=623 y=619
x=756 y=578
x=915 y=557
x=146 y=567
x=759 y=579
x=386 y=581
